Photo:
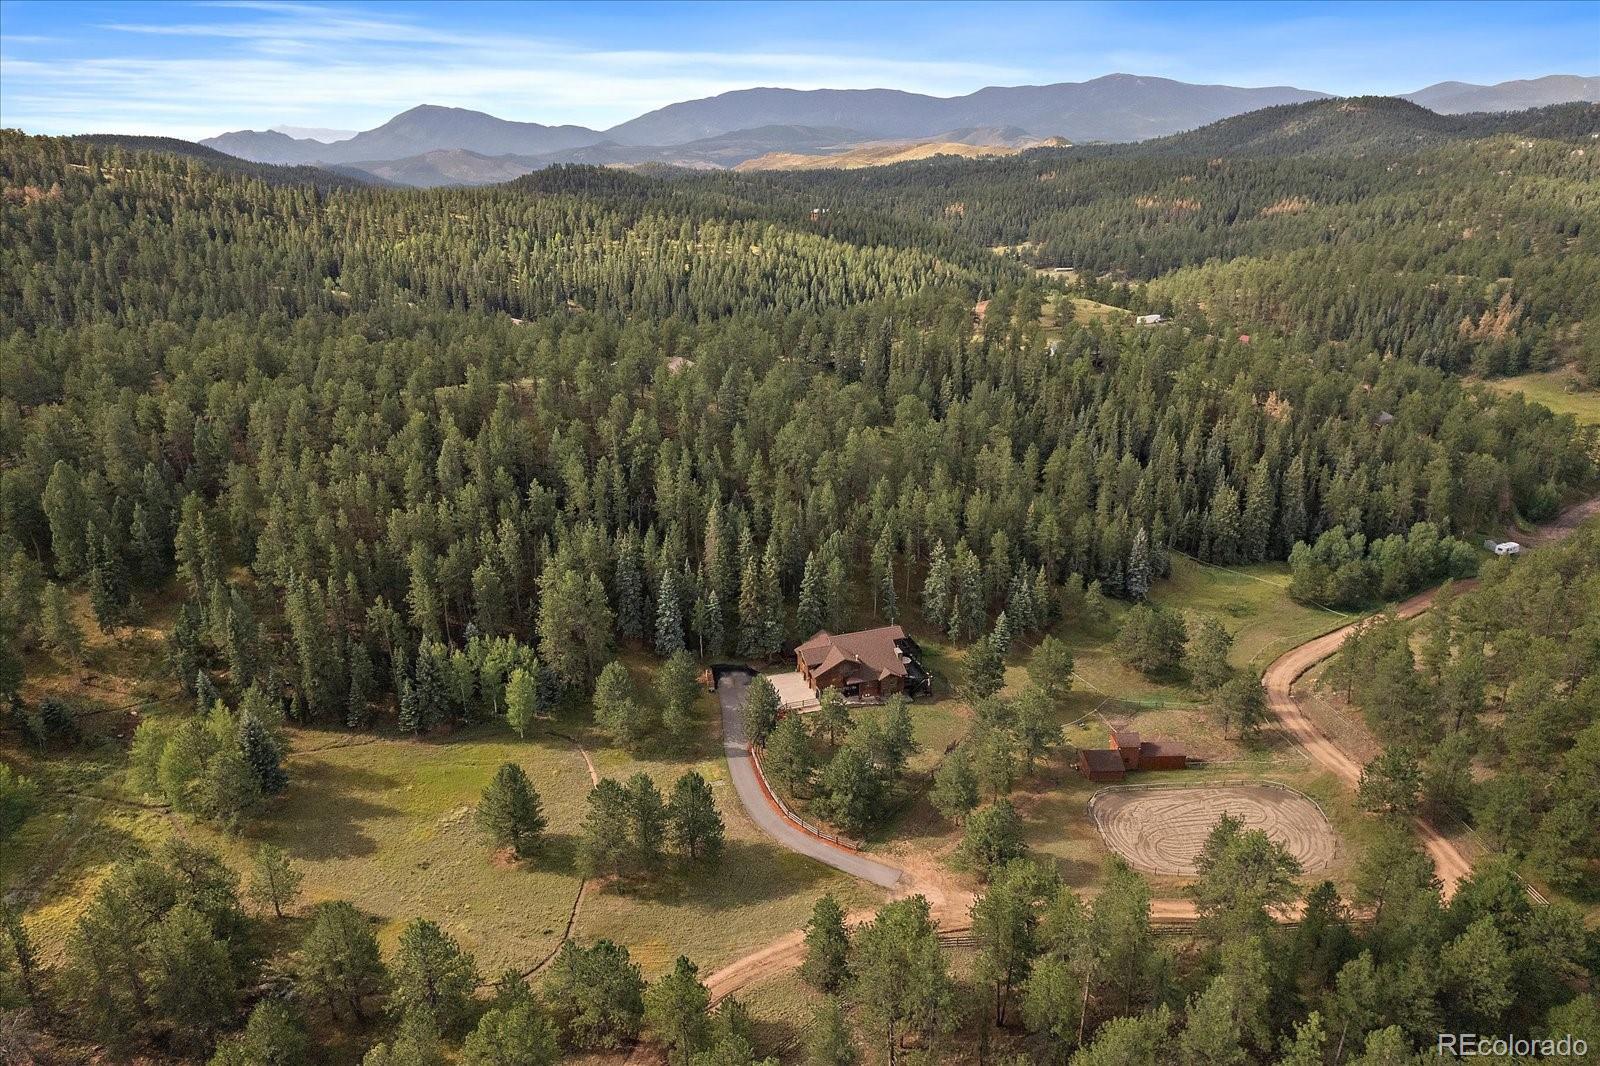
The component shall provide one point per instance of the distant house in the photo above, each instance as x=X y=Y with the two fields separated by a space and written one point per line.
x=1383 y=418
x=869 y=665
x=1147 y=320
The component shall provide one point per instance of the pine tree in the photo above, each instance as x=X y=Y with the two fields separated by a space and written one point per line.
x=787 y=758
x=629 y=588
x=1139 y=567
x=432 y=976
x=263 y=753
x=675 y=1011
x=616 y=709
x=693 y=821
x=828 y=1037
x=938 y=587
x=669 y=616
x=759 y=712
x=604 y=840
x=274 y=878
x=826 y=965
x=511 y=813
x=811 y=613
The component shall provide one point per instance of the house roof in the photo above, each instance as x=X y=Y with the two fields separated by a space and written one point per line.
x=871 y=651
x=1155 y=748
x=1100 y=760
x=1124 y=739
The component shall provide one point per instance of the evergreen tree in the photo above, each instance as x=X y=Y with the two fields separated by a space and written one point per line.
x=274 y=878
x=759 y=711
x=595 y=995
x=262 y=754
x=605 y=840
x=828 y=1037
x=811 y=611
x=675 y=1008
x=1140 y=569
x=826 y=965
x=787 y=758
x=985 y=669
x=516 y=1034
x=339 y=960
x=938 y=587
x=669 y=616
x=955 y=785
x=432 y=976
x=833 y=716
x=993 y=837
x=1206 y=656
x=901 y=979
x=647 y=821
x=511 y=813
x=677 y=686
x=694 y=823
x=616 y=709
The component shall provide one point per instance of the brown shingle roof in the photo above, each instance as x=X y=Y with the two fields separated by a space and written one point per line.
x=872 y=649
x=1100 y=760
x=1124 y=739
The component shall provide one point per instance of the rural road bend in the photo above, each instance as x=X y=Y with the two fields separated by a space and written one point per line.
x=730 y=694
x=1452 y=866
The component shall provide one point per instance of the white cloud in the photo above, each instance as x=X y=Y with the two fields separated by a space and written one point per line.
x=330 y=66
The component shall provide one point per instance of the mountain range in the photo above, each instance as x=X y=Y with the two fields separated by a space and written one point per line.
x=430 y=145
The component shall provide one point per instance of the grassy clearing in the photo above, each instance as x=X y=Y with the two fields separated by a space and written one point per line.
x=1252 y=603
x=387 y=822
x=1563 y=391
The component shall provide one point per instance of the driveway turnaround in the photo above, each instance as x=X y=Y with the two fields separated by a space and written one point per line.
x=730 y=693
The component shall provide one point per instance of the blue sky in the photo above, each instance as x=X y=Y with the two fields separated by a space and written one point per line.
x=195 y=69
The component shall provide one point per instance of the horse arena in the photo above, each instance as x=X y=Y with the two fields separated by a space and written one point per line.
x=1161 y=830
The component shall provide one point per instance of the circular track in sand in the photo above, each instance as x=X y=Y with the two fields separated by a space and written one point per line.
x=1161 y=830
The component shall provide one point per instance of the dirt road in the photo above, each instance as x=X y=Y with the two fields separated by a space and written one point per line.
x=949 y=908
x=1279 y=679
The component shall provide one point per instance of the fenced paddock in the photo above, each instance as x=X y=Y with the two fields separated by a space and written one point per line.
x=1160 y=830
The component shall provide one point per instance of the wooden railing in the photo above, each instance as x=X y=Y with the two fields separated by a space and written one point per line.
x=790 y=816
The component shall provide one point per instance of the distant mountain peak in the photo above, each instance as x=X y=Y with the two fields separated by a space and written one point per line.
x=741 y=124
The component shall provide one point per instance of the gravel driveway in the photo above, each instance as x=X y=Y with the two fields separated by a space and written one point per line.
x=730 y=694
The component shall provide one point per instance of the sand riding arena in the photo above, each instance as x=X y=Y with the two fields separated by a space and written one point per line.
x=1161 y=830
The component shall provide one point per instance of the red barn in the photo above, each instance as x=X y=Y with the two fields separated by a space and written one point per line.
x=1162 y=755
x=1100 y=764
x=1126 y=744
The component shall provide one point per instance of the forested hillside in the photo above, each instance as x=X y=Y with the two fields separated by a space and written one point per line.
x=244 y=385
x=1504 y=677
x=401 y=462
x=1469 y=254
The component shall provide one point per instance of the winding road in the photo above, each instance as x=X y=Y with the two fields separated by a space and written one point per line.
x=741 y=767
x=787 y=951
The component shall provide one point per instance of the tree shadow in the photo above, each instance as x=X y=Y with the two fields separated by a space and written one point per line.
x=556 y=853
x=746 y=874
x=324 y=814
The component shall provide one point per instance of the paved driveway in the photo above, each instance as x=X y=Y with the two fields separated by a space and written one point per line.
x=730 y=693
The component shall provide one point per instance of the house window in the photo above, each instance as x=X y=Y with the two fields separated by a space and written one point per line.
x=852 y=690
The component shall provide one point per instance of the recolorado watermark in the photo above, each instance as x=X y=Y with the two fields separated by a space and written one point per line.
x=1472 y=1045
